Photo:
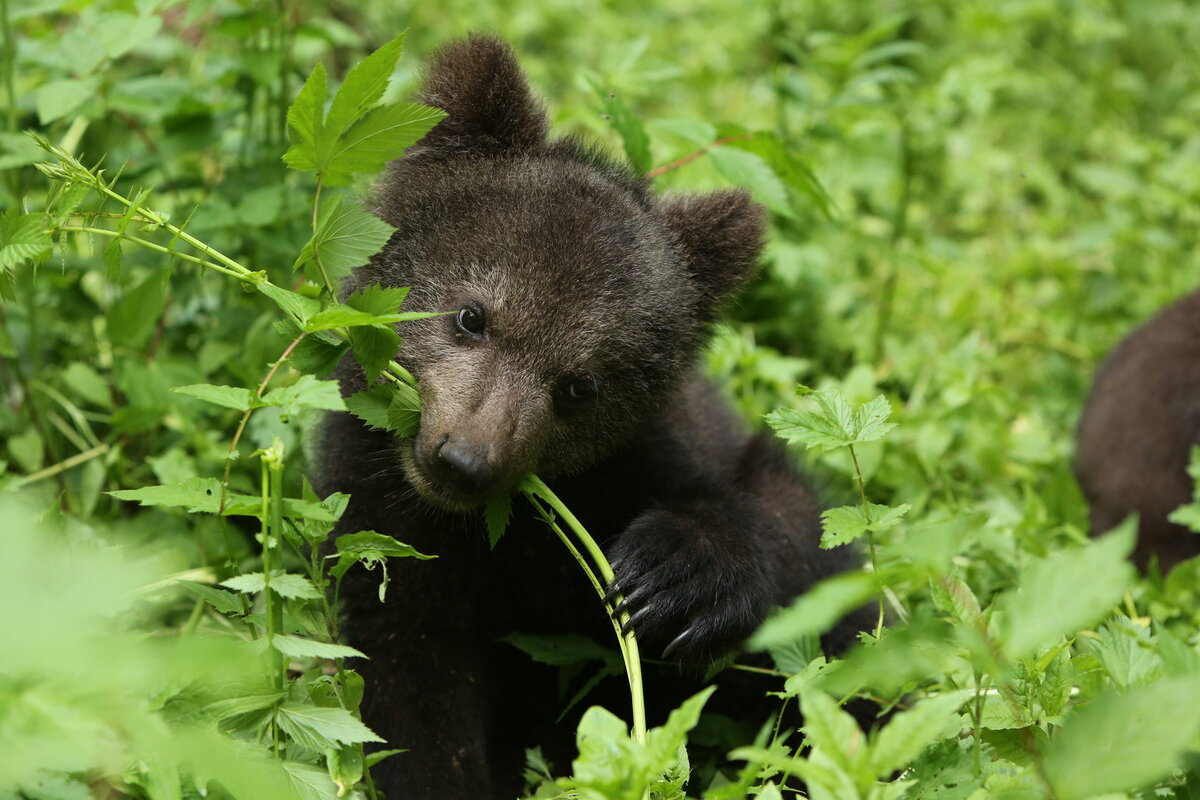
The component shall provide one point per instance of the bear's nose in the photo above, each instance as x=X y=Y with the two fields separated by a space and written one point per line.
x=465 y=466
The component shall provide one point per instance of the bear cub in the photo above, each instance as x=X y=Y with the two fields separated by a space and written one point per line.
x=580 y=303
x=1137 y=431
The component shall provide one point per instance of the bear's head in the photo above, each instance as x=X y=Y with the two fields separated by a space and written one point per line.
x=579 y=299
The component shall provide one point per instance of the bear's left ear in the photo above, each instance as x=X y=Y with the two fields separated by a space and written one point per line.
x=720 y=235
x=481 y=87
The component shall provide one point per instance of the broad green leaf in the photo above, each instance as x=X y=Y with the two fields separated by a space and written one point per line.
x=22 y=238
x=1065 y=592
x=292 y=586
x=371 y=405
x=369 y=544
x=318 y=728
x=18 y=150
x=560 y=650
x=340 y=316
x=909 y=732
x=497 y=513
x=1124 y=741
x=119 y=32
x=306 y=392
x=752 y=171
x=133 y=318
x=247 y=583
x=225 y=602
x=844 y=524
x=57 y=99
x=238 y=505
x=28 y=449
x=234 y=397
x=404 y=413
x=373 y=347
x=816 y=611
x=870 y=420
x=311 y=783
x=379 y=137
x=296 y=647
x=294 y=305
x=87 y=384
x=346 y=236
x=364 y=86
x=828 y=727
x=197 y=495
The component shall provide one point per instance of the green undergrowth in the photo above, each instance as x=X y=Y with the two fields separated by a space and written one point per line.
x=971 y=202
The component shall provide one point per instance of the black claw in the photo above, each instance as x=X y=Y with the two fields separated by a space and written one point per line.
x=680 y=640
x=613 y=592
x=632 y=622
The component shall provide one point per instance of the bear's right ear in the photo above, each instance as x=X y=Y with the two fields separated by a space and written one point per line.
x=479 y=84
x=720 y=236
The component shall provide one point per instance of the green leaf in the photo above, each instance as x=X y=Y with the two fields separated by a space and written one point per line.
x=86 y=383
x=1124 y=741
x=57 y=99
x=133 y=318
x=364 y=86
x=870 y=420
x=340 y=316
x=346 y=236
x=836 y=425
x=22 y=239
x=404 y=412
x=112 y=260
x=373 y=347
x=371 y=405
x=831 y=729
x=28 y=449
x=378 y=300
x=910 y=732
x=629 y=127
x=294 y=305
x=560 y=650
x=1065 y=593
x=844 y=524
x=305 y=121
x=225 y=602
x=318 y=728
x=369 y=544
x=234 y=397
x=311 y=783
x=816 y=611
x=247 y=583
x=285 y=584
x=497 y=513
x=296 y=647
x=747 y=169
x=306 y=392
x=119 y=32
x=381 y=136
x=197 y=495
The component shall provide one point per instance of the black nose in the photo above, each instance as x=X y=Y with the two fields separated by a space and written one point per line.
x=465 y=466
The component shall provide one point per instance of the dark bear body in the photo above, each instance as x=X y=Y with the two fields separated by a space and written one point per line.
x=1137 y=430
x=581 y=304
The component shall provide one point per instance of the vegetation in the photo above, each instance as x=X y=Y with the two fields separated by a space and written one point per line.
x=971 y=203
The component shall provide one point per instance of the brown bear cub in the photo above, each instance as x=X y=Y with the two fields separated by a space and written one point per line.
x=1137 y=431
x=580 y=303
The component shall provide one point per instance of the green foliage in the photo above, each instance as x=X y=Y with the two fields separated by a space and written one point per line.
x=970 y=203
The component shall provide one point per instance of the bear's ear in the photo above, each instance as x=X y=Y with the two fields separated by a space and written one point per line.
x=720 y=235
x=479 y=84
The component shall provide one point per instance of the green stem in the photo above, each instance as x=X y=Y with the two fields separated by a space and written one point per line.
x=535 y=488
x=866 y=505
x=158 y=248
x=61 y=466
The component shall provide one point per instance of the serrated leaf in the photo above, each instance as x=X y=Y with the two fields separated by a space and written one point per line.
x=1080 y=585
x=404 y=412
x=22 y=238
x=317 y=728
x=909 y=732
x=340 y=316
x=831 y=729
x=497 y=513
x=197 y=495
x=305 y=121
x=371 y=405
x=1124 y=741
x=381 y=136
x=112 y=260
x=311 y=783
x=844 y=524
x=364 y=86
x=246 y=583
x=285 y=584
x=225 y=602
x=378 y=300
x=294 y=305
x=346 y=236
x=816 y=611
x=376 y=545
x=870 y=420
x=751 y=170
x=132 y=319
x=296 y=647
x=234 y=397
x=373 y=347
x=306 y=392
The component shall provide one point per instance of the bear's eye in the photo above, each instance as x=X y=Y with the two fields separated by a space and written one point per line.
x=580 y=387
x=469 y=321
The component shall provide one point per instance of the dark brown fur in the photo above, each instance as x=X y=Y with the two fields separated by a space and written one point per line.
x=580 y=271
x=1140 y=423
